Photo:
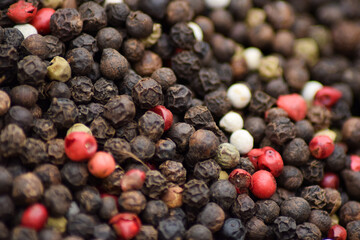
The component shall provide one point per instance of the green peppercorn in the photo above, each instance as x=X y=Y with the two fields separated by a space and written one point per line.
x=59 y=69
x=227 y=156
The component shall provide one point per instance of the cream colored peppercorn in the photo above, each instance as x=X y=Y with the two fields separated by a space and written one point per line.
x=223 y=175
x=309 y=90
x=59 y=69
x=252 y=57
x=270 y=67
x=196 y=30
x=231 y=122
x=26 y=29
x=255 y=17
x=79 y=127
x=328 y=132
x=52 y=3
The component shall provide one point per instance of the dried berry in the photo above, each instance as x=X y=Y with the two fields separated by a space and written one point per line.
x=66 y=23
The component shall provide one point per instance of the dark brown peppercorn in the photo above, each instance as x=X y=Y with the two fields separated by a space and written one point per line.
x=222 y=19
x=256 y=229
x=113 y=65
x=198 y=116
x=48 y=174
x=20 y=116
x=283 y=43
x=24 y=95
x=104 y=231
x=147 y=93
x=101 y=130
x=154 y=212
x=12 y=37
x=313 y=171
x=89 y=199
x=261 y=36
x=21 y=233
x=85 y=41
x=155 y=184
x=308 y=231
x=173 y=172
x=280 y=131
x=109 y=38
x=80 y=60
x=212 y=216
x=277 y=87
x=108 y=208
x=117 y=14
x=12 y=139
x=56 y=151
x=321 y=219
x=31 y=70
x=336 y=161
x=66 y=23
x=128 y=131
x=275 y=112
x=139 y=25
x=165 y=149
x=297 y=208
x=49 y=234
x=296 y=152
x=104 y=89
x=132 y=201
x=143 y=147
x=180 y=133
x=81 y=88
x=246 y=164
x=147 y=232
x=75 y=173
x=63 y=112
x=171 y=228
x=87 y=113
x=9 y=58
x=164 y=47
x=179 y=11
x=151 y=125
x=223 y=48
x=208 y=170
x=319 y=116
x=148 y=63
x=198 y=231
x=111 y=184
x=27 y=189
x=119 y=110
x=267 y=210
x=350 y=211
x=182 y=36
x=208 y=80
x=217 y=102
x=33 y=152
x=291 y=178
x=350 y=179
x=55 y=46
x=118 y=148
x=7 y=208
x=353 y=230
x=243 y=207
x=346 y=35
x=280 y=14
x=35 y=44
x=130 y=79
x=304 y=130
x=202 y=145
x=186 y=65
x=196 y=193
x=177 y=98
x=133 y=49
x=256 y=127
x=81 y=225
x=315 y=196
x=93 y=16
x=333 y=200
x=284 y=228
x=57 y=89
x=223 y=193
x=206 y=25
x=260 y=102
x=6 y=181
x=57 y=199
x=350 y=132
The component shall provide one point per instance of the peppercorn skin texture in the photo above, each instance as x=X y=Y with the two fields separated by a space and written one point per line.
x=263 y=184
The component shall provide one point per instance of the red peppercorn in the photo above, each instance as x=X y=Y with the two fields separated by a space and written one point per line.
x=80 y=146
x=330 y=180
x=35 y=216
x=263 y=184
x=254 y=155
x=241 y=179
x=132 y=180
x=321 y=146
x=101 y=165
x=165 y=114
x=126 y=225
x=327 y=96
x=271 y=161
x=21 y=12
x=337 y=232
x=294 y=105
x=42 y=20
x=355 y=163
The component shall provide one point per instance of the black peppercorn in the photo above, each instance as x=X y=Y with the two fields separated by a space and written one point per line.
x=24 y=95
x=284 y=228
x=49 y=234
x=223 y=193
x=304 y=130
x=179 y=11
x=296 y=152
x=267 y=210
x=81 y=225
x=350 y=211
x=132 y=201
x=75 y=173
x=113 y=65
x=178 y=98
x=319 y=116
x=108 y=208
x=186 y=65
x=164 y=46
x=223 y=48
x=119 y=110
x=55 y=46
x=315 y=196
x=148 y=63
x=56 y=151
x=111 y=184
x=260 y=102
x=283 y=43
x=212 y=216
x=208 y=170
x=334 y=200
x=291 y=178
x=147 y=93
x=321 y=219
x=109 y=38
x=101 y=130
x=173 y=172
x=336 y=161
x=117 y=14
x=8 y=209
x=297 y=208
x=200 y=232
x=49 y=174
x=165 y=149
x=353 y=230
x=20 y=116
x=93 y=16
x=81 y=89
x=165 y=77
x=12 y=138
x=80 y=60
x=104 y=231
x=151 y=125
x=12 y=37
x=89 y=199
x=277 y=87
x=139 y=25
x=143 y=147
x=350 y=132
x=85 y=41
x=154 y=212
x=256 y=127
x=180 y=133
x=128 y=131
x=313 y=171
x=20 y=233
x=66 y=23
x=256 y=229
x=182 y=36
x=154 y=185
x=6 y=181
x=280 y=130
x=31 y=70
x=171 y=228
x=196 y=193
x=222 y=19
x=103 y=90
x=202 y=145
x=133 y=49
x=118 y=148
x=36 y=45
x=57 y=199
x=246 y=164
x=57 y=89
x=27 y=189
x=243 y=207
x=308 y=231
x=147 y=232
x=63 y=112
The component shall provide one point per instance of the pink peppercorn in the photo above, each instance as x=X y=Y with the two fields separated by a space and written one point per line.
x=294 y=105
x=321 y=146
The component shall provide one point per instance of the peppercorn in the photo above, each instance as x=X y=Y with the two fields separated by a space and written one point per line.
x=223 y=48
x=118 y=148
x=133 y=50
x=85 y=41
x=308 y=230
x=143 y=147
x=246 y=165
x=57 y=89
x=315 y=196
x=57 y=199
x=165 y=77
x=186 y=65
x=321 y=219
x=202 y=145
x=128 y=131
x=75 y=173
x=8 y=210
x=48 y=174
x=147 y=93
x=207 y=170
x=103 y=90
x=171 y=228
x=284 y=227
x=89 y=200
x=353 y=230
x=102 y=130
x=296 y=152
x=56 y=151
x=217 y=102
x=227 y=156
x=200 y=232
x=154 y=212
x=173 y=172
x=81 y=225
x=173 y=196
x=313 y=171
x=113 y=65
x=5 y=102
x=349 y=131
x=93 y=16
x=20 y=232
x=132 y=201
x=63 y=112
x=243 y=207
x=24 y=95
x=50 y=234
x=112 y=183
x=260 y=102
x=147 y=232
x=198 y=116
x=81 y=88
x=66 y=23
x=20 y=116
x=27 y=74
x=223 y=193
x=117 y=14
x=280 y=131
x=291 y=178
x=212 y=216
x=154 y=185
x=55 y=46
x=12 y=138
x=267 y=210
x=296 y=208
x=12 y=37
x=108 y=207
x=179 y=11
x=104 y=231
x=27 y=189
x=165 y=149
x=182 y=36
x=151 y=125
x=196 y=193
x=333 y=200
x=256 y=229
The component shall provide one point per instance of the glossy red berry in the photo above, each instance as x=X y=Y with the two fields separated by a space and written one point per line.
x=355 y=163
x=101 y=165
x=263 y=184
x=327 y=96
x=132 y=180
x=321 y=146
x=271 y=161
x=294 y=105
x=166 y=114
x=330 y=180
x=80 y=146
x=254 y=155
x=41 y=21
x=241 y=179
x=337 y=232
x=21 y=12
x=35 y=216
x=126 y=225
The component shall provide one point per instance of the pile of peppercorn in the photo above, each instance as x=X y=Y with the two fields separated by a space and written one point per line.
x=179 y=119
